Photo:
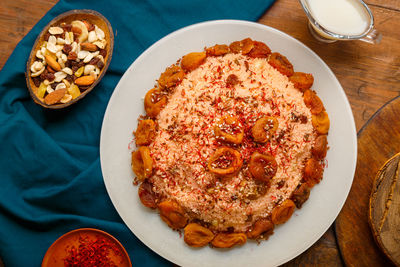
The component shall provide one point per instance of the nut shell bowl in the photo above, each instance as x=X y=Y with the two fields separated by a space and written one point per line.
x=67 y=17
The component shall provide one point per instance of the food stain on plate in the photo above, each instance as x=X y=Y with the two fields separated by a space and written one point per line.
x=86 y=247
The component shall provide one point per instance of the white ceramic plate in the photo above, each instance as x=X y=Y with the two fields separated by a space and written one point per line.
x=306 y=225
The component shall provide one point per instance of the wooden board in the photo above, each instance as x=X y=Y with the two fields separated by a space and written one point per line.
x=378 y=141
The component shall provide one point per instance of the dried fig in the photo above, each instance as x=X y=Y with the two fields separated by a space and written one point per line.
x=300 y=195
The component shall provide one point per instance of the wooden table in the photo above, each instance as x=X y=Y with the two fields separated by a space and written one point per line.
x=370 y=75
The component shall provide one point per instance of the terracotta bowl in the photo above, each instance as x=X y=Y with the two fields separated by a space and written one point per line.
x=67 y=17
x=58 y=251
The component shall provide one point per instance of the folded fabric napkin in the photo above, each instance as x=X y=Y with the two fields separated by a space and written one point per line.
x=50 y=176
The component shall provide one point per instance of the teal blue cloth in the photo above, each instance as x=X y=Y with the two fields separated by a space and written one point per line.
x=50 y=176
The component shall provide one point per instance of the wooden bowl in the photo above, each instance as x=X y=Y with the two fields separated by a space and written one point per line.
x=67 y=17
x=58 y=251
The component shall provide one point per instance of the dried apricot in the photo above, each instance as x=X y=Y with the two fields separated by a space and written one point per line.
x=229 y=129
x=263 y=167
x=154 y=101
x=147 y=196
x=320 y=147
x=313 y=102
x=300 y=195
x=193 y=60
x=259 y=50
x=225 y=161
x=145 y=132
x=228 y=240
x=217 y=50
x=171 y=77
x=281 y=63
x=172 y=214
x=261 y=229
x=264 y=129
x=312 y=172
x=196 y=235
x=280 y=214
x=302 y=81
x=321 y=122
x=244 y=46
x=142 y=163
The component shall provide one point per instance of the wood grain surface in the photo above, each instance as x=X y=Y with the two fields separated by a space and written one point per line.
x=369 y=74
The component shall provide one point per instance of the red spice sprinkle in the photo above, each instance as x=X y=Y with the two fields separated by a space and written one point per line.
x=92 y=253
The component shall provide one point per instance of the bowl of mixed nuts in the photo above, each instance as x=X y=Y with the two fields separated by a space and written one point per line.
x=69 y=58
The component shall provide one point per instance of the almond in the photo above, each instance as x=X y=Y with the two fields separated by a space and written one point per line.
x=89 y=47
x=55 y=96
x=52 y=63
x=85 y=80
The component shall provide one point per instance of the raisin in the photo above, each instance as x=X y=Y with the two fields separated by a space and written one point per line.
x=61 y=35
x=232 y=80
x=67 y=64
x=76 y=35
x=36 y=81
x=50 y=76
x=103 y=52
x=94 y=61
x=46 y=36
x=69 y=78
x=83 y=88
x=91 y=27
x=54 y=85
x=303 y=118
x=74 y=68
x=43 y=75
x=67 y=48
x=67 y=27
x=72 y=56
x=100 y=64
